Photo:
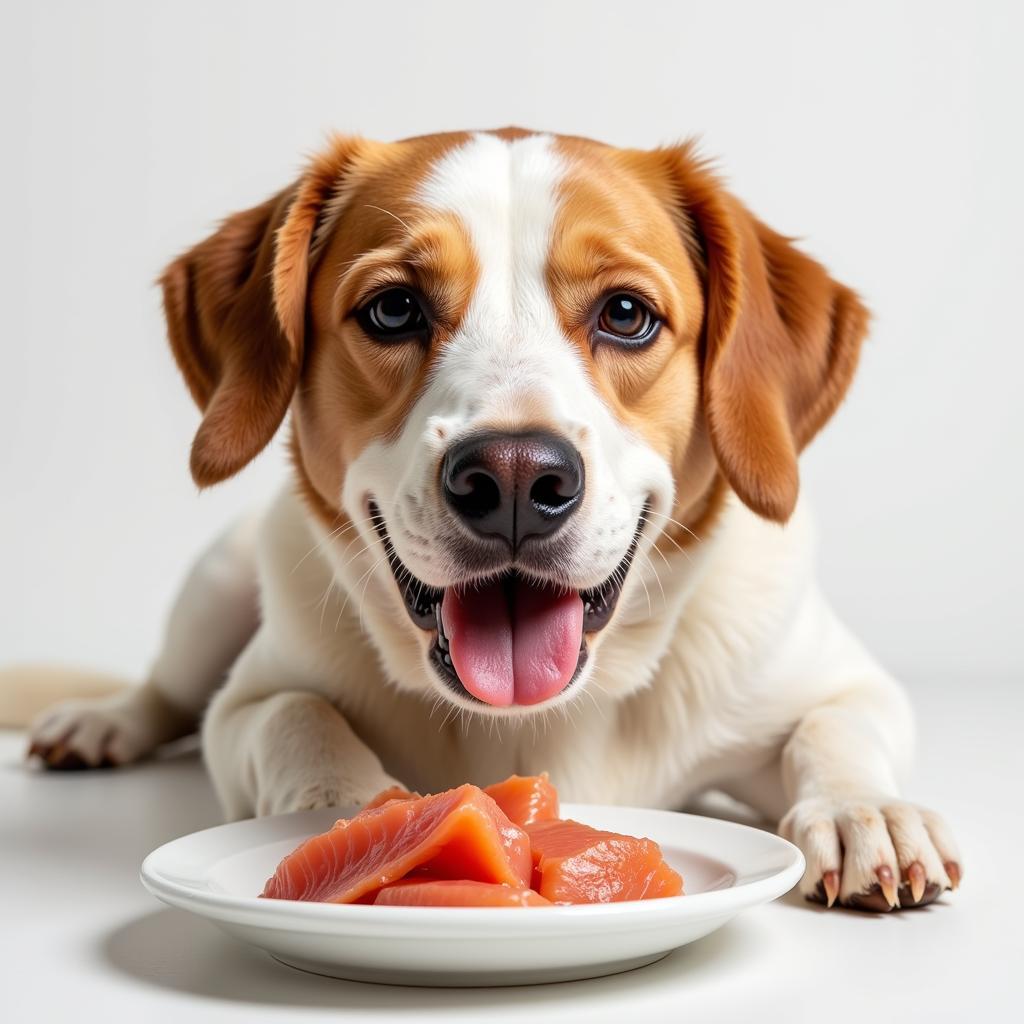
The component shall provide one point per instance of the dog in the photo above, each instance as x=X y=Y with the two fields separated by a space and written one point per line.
x=546 y=401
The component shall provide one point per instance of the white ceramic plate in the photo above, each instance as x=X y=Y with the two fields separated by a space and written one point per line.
x=217 y=873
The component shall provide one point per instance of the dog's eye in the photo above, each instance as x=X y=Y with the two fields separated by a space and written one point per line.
x=625 y=318
x=392 y=315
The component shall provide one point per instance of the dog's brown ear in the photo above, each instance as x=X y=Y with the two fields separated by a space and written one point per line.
x=781 y=341
x=236 y=306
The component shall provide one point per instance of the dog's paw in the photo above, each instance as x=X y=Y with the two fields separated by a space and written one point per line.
x=872 y=853
x=99 y=733
x=299 y=798
x=311 y=796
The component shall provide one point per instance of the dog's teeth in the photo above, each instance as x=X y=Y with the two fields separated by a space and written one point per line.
x=448 y=659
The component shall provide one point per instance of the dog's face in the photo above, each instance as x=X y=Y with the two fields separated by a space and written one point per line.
x=516 y=363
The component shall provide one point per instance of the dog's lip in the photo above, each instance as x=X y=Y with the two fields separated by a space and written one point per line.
x=422 y=600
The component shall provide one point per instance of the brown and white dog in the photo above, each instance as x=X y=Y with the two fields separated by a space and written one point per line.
x=546 y=398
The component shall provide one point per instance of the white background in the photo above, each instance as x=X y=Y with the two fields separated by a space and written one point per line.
x=887 y=135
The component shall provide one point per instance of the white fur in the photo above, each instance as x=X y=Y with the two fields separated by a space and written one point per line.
x=736 y=675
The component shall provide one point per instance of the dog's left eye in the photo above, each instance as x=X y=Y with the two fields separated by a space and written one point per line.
x=392 y=315
x=624 y=318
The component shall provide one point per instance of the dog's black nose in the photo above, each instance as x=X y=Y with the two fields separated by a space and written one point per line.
x=513 y=486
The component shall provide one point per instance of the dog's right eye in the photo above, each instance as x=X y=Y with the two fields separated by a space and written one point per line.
x=627 y=321
x=392 y=315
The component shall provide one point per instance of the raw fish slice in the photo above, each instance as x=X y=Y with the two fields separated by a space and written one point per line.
x=525 y=798
x=459 y=834
x=391 y=793
x=574 y=863
x=456 y=893
x=665 y=882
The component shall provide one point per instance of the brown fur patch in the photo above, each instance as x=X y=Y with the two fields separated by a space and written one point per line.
x=235 y=307
x=616 y=232
x=328 y=514
x=758 y=343
x=781 y=339
x=354 y=389
x=237 y=363
x=258 y=312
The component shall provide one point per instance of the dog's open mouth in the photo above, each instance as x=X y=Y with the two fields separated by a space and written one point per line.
x=509 y=640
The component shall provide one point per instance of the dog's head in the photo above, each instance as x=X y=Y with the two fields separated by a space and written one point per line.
x=515 y=363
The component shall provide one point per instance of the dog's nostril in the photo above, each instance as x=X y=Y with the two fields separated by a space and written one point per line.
x=553 y=493
x=474 y=494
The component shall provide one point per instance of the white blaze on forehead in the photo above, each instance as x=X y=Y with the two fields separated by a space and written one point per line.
x=506 y=195
x=509 y=345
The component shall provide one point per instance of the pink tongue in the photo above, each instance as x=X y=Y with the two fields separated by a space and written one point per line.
x=520 y=648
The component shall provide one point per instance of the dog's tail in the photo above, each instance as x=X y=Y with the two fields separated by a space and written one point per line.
x=26 y=690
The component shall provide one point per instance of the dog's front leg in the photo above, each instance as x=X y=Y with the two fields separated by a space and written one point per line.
x=864 y=846
x=274 y=744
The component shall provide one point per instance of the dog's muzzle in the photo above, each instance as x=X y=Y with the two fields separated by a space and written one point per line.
x=510 y=634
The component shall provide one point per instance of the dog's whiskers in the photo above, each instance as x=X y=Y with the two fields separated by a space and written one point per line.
x=362 y=551
x=366 y=576
x=335 y=534
x=661 y=554
x=675 y=522
x=672 y=541
x=595 y=702
x=394 y=216
x=664 y=599
x=338 y=532
x=325 y=600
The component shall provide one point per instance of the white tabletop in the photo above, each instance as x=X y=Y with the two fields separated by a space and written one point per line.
x=81 y=938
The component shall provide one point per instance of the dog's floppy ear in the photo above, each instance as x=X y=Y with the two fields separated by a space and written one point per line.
x=781 y=341
x=236 y=307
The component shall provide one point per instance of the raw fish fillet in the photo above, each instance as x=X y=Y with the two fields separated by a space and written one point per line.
x=454 y=893
x=458 y=834
x=574 y=863
x=525 y=798
x=391 y=793
x=666 y=882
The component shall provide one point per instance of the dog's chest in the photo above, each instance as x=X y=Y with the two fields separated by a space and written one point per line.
x=657 y=748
